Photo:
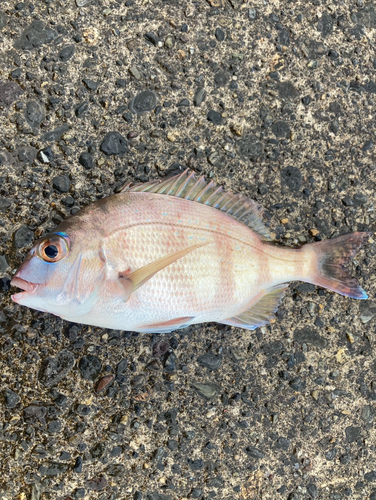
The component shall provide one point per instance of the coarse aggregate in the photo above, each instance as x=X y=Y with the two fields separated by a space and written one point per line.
x=273 y=99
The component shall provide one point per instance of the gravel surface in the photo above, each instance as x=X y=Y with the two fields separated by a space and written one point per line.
x=272 y=99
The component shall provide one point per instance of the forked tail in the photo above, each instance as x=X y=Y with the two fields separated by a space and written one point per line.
x=332 y=258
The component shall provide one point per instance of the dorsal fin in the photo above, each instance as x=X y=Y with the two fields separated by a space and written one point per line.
x=185 y=185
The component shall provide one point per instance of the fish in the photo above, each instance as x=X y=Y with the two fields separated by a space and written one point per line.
x=164 y=255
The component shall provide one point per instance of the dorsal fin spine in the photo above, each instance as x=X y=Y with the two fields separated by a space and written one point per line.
x=171 y=188
x=191 y=193
x=186 y=186
x=213 y=195
x=203 y=191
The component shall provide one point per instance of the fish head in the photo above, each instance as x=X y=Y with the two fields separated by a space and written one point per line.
x=61 y=274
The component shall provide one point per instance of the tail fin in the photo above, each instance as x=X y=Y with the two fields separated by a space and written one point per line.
x=332 y=257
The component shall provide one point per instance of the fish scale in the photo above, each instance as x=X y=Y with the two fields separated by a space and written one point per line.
x=193 y=285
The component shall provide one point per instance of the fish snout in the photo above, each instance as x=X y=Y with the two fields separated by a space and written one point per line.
x=26 y=286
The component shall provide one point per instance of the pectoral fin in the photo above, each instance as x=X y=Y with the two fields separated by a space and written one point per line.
x=137 y=278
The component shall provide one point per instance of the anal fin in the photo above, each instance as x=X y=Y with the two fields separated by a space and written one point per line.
x=261 y=312
x=167 y=326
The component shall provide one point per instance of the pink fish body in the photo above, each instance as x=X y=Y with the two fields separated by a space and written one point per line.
x=161 y=256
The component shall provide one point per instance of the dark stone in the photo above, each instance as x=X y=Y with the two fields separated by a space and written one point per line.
x=121 y=84
x=284 y=37
x=263 y=189
x=200 y=96
x=115 y=470
x=23 y=237
x=3 y=264
x=281 y=129
x=35 y=35
x=144 y=102
x=370 y=87
x=214 y=117
x=81 y=108
x=325 y=24
x=55 y=369
x=334 y=126
x=197 y=464
x=77 y=467
x=347 y=201
x=365 y=16
x=157 y=496
x=79 y=493
x=86 y=160
x=90 y=367
x=67 y=52
x=52 y=469
x=360 y=199
x=331 y=454
x=292 y=178
x=367 y=146
x=61 y=183
x=309 y=336
x=184 y=103
x=294 y=496
x=249 y=147
x=220 y=34
x=206 y=390
x=137 y=495
x=170 y=363
x=312 y=490
x=210 y=360
x=287 y=90
x=195 y=493
x=35 y=415
x=9 y=92
x=45 y=155
x=55 y=134
x=333 y=54
x=121 y=366
x=54 y=426
x=152 y=38
x=11 y=399
x=16 y=74
x=252 y=14
x=283 y=443
x=98 y=483
x=214 y=482
x=114 y=144
x=4 y=285
x=3 y=19
x=367 y=310
x=91 y=84
x=370 y=476
x=352 y=433
x=297 y=384
x=4 y=204
x=306 y=100
x=367 y=413
x=253 y=452
x=221 y=78
x=34 y=113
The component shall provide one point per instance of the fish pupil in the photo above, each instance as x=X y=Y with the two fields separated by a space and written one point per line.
x=51 y=251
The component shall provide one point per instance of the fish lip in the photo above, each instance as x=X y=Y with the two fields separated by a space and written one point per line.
x=27 y=287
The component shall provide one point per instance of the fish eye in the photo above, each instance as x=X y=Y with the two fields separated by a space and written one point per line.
x=53 y=248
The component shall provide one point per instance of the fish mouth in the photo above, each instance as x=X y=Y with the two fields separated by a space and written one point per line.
x=27 y=287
